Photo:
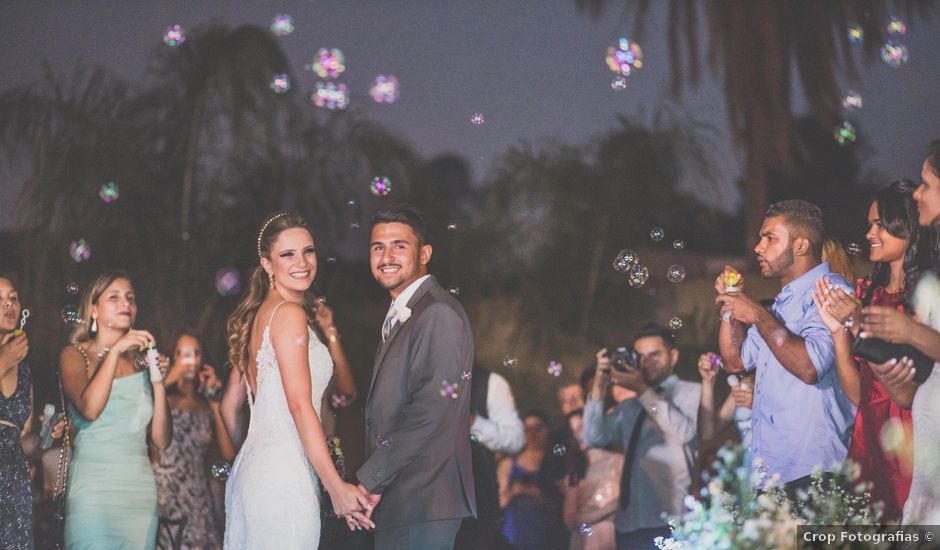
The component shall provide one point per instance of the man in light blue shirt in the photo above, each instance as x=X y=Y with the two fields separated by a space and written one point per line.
x=801 y=417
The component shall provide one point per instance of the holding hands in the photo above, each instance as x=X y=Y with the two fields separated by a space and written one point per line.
x=353 y=504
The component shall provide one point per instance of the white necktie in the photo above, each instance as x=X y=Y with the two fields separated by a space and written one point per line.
x=389 y=321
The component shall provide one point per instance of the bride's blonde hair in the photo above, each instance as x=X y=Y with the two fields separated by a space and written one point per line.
x=240 y=321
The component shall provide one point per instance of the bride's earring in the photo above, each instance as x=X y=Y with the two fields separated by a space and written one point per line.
x=94 y=324
x=271 y=279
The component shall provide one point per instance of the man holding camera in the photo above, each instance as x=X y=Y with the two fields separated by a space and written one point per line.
x=657 y=430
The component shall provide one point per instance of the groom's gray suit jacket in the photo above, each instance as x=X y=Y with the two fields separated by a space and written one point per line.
x=418 y=440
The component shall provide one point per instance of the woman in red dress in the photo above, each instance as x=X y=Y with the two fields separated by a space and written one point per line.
x=881 y=438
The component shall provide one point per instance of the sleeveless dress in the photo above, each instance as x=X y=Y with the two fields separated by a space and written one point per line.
x=887 y=470
x=923 y=502
x=272 y=497
x=111 y=498
x=16 y=501
x=183 y=488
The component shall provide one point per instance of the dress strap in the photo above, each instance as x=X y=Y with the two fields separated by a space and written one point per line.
x=251 y=402
x=271 y=319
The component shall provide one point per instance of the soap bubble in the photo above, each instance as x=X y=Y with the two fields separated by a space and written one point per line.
x=382 y=442
x=675 y=323
x=282 y=25
x=381 y=186
x=330 y=95
x=619 y=82
x=220 y=470
x=510 y=361
x=449 y=390
x=554 y=368
x=227 y=281
x=559 y=450
x=896 y=27
x=329 y=63
x=852 y=101
x=70 y=315
x=384 y=89
x=72 y=288
x=477 y=119
x=586 y=530
x=624 y=57
x=893 y=435
x=638 y=276
x=625 y=261
x=657 y=233
x=109 y=192
x=452 y=227
x=466 y=375
x=845 y=133
x=455 y=290
x=894 y=53
x=856 y=34
x=80 y=250
x=678 y=245
x=675 y=273
x=331 y=259
x=339 y=401
x=653 y=409
x=854 y=249
x=280 y=83
x=174 y=36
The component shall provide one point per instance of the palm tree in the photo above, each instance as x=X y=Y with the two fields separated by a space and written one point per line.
x=757 y=44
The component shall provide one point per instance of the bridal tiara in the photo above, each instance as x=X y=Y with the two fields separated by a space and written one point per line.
x=265 y=226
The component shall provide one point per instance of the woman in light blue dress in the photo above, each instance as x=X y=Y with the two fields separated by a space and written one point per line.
x=111 y=499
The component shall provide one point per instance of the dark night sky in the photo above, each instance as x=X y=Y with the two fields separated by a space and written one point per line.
x=534 y=68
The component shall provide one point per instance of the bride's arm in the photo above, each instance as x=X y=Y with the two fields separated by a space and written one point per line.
x=289 y=336
x=233 y=407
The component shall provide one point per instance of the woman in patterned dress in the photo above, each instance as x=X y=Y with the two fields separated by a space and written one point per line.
x=182 y=475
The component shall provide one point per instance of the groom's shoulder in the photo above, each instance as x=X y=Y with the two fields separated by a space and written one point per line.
x=439 y=302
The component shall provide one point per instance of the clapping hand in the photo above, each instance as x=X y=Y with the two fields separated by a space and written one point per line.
x=837 y=308
x=887 y=324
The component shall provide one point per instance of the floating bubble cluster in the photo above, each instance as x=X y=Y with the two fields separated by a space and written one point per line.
x=624 y=57
x=449 y=390
x=675 y=323
x=554 y=368
x=894 y=53
x=852 y=101
x=854 y=249
x=559 y=450
x=382 y=442
x=220 y=470
x=80 y=250
x=109 y=192
x=381 y=186
x=174 y=36
x=330 y=96
x=227 y=281
x=845 y=133
x=657 y=233
x=510 y=361
x=856 y=34
x=619 y=82
x=675 y=273
x=638 y=276
x=329 y=63
x=70 y=315
x=678 y=245
x=280 y=83
x=477 y=119
x=625 y=261
x=72 y=288
x=896 y=27
x=586 y=530
x=384 y=89
x=282 y=25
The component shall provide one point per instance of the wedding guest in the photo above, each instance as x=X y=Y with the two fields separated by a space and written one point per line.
x=895 y=253
x=495 y=427
x=591 y=491
x=657 y=430
x=527 y=523
x=111 y=498
x=712 y=422
x=923 y=501
x=801 y=416
x=183 y=488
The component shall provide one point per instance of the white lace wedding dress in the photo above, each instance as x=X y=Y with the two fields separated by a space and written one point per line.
x=272 y=497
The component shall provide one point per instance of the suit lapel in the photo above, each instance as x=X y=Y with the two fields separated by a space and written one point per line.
x=396 y=328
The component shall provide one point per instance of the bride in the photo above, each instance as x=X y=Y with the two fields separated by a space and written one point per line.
x=281 y=368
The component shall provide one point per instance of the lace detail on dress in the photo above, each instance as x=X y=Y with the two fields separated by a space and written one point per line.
x=272 y=497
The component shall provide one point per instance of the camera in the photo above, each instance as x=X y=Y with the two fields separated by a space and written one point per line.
x=623 y=358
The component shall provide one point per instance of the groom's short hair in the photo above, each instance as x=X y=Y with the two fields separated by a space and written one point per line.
x=406 y=214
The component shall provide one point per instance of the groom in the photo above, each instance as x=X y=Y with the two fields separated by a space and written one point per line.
x=417 y=415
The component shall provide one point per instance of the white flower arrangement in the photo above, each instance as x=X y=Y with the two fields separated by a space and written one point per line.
x=731 y=515
x=403 y=314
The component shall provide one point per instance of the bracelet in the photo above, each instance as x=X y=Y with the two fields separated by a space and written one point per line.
x=849 y=323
